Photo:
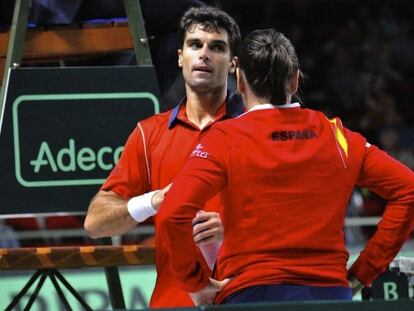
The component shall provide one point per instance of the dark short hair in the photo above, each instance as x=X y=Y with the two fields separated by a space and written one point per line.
x=269 y=61
x=211 y=19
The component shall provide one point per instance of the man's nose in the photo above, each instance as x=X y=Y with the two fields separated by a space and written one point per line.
x=204 y=53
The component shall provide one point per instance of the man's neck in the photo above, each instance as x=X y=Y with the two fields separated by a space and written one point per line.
x=251 y=100
x=202 y=108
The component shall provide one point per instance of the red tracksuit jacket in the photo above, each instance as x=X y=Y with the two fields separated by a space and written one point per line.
x=286 y=176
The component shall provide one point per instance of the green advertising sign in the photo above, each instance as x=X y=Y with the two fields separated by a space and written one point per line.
x=63 y=130
x=68 y=159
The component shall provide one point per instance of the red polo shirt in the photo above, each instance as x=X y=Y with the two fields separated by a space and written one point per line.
x=153 y=155
x=286 y=176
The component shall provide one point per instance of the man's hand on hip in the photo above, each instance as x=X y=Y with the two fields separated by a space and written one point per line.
x=208 y=293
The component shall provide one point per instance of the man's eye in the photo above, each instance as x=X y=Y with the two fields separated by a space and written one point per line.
x=195 y=45
x=218 y=48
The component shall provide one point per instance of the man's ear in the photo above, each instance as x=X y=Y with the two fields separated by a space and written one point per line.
x=233 y=64
x=180 y=58
x=240 y=80
x=294 y=82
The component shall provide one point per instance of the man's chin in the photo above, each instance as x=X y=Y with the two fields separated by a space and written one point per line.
x=201 y=85
x=206 y=85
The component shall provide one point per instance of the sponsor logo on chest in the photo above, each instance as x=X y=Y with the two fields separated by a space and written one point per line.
x=198 y=152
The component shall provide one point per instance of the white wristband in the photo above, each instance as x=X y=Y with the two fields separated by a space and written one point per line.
x=140 y=207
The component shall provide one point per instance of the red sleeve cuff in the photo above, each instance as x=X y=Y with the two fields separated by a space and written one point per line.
x=364 y=272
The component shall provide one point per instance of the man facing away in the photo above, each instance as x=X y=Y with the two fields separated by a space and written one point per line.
x=287 y=174
x=160 y=145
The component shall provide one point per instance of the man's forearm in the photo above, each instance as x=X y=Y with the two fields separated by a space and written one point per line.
x=108 y=216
